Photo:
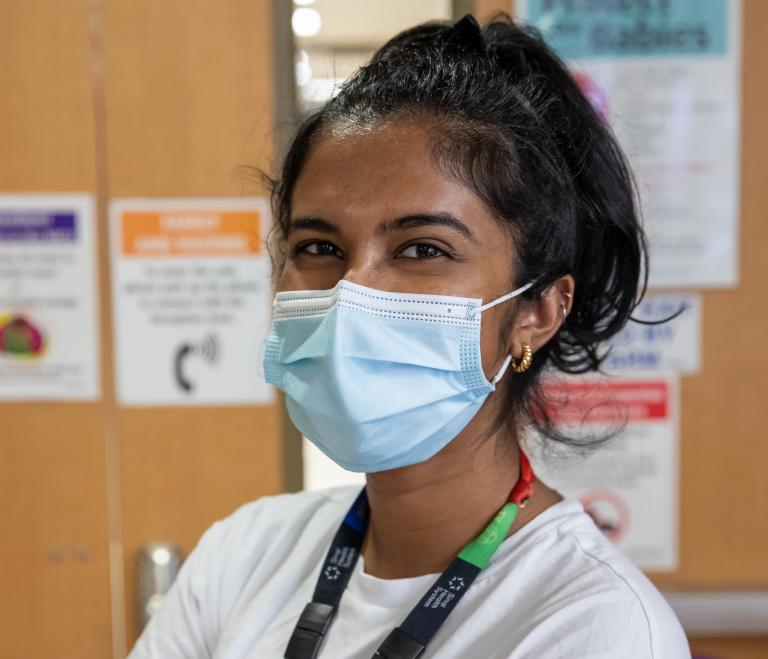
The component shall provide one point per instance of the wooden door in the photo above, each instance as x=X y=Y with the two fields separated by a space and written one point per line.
x=54 y=558
x=123 y=99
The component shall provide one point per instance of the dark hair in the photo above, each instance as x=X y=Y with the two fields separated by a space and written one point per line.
x=512 y=125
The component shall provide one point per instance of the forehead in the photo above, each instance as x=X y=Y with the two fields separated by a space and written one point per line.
x=382 y=172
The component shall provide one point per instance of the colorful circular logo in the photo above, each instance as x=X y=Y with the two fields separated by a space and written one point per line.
x=20 y=337
x=609 y=512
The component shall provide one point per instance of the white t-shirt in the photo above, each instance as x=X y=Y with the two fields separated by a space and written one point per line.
x=555 y=588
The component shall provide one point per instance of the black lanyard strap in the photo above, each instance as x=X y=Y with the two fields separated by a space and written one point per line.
x=399 y=645
x=430 y=613
x=307 y=637
x=409 y=639
x=337 y=568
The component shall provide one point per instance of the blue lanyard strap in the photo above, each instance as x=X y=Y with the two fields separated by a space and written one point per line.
x=408 y=640
x=337 y=568
x=345 y=549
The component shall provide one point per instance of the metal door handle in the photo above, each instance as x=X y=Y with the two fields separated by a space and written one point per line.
x=158 y=565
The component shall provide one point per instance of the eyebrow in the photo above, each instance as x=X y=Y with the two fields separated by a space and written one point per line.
x=441 y=218
x=312 y=223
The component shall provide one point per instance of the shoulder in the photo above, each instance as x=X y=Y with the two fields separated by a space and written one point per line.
x=260 y=538
x=287 y=506
x=278 y=517
x=589 y=592
x=231 y=564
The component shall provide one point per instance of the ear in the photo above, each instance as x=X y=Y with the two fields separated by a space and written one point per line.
x=539 y=319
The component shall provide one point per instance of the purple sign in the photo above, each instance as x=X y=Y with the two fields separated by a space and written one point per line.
x=28 y=225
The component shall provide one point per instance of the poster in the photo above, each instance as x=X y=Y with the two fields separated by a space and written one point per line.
x=630 y=485
x=49 y=339
x=192 y=300
x=666 y=76
x=671 y=346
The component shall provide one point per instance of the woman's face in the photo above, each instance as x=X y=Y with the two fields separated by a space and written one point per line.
x=375 y=209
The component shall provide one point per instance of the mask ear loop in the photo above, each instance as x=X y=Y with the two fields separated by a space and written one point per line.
x=493 y=303
x=502 y=370
x=508 y=296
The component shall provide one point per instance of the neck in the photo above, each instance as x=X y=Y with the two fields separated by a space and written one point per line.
x=423 y=515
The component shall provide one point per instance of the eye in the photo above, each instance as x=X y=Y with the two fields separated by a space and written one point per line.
x=319 y=248
x=422 y=251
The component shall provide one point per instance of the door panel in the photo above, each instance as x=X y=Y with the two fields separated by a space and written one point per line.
x=123 y=99
x=188 y=100
x=54 y=558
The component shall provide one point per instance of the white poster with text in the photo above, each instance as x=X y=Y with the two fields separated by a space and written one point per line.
x=49 y=339
x=666 y=76
x=651 y=345
x=191 y=300
x=628 y=486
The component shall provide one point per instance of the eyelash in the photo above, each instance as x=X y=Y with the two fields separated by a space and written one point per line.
x=427 y=245
x=302 y=247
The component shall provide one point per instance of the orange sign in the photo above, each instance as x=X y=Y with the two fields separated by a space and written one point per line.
x=190 y=233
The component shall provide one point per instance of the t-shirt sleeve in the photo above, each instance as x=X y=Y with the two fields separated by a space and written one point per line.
x=188 y=623
x=602 y=607
x=604 y=626
x=182 y=626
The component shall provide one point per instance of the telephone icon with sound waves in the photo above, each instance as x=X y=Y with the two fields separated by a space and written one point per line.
x=208 y=349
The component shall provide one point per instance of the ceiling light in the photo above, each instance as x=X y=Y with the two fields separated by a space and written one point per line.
x=303 y=69
x=306 y=22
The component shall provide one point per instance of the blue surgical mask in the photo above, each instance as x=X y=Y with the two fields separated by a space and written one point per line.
x=379 y=380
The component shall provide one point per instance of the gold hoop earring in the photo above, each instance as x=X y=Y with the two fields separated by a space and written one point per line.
x=525 y=362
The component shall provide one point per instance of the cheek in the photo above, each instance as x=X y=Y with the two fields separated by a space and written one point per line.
x=320 y=276
x=291 y=279
x=282 y=278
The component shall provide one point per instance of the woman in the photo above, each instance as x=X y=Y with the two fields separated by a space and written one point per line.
x=460 y=175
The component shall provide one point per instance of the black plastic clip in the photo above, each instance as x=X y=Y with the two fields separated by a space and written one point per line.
x=309 y=632
x=399 y=645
